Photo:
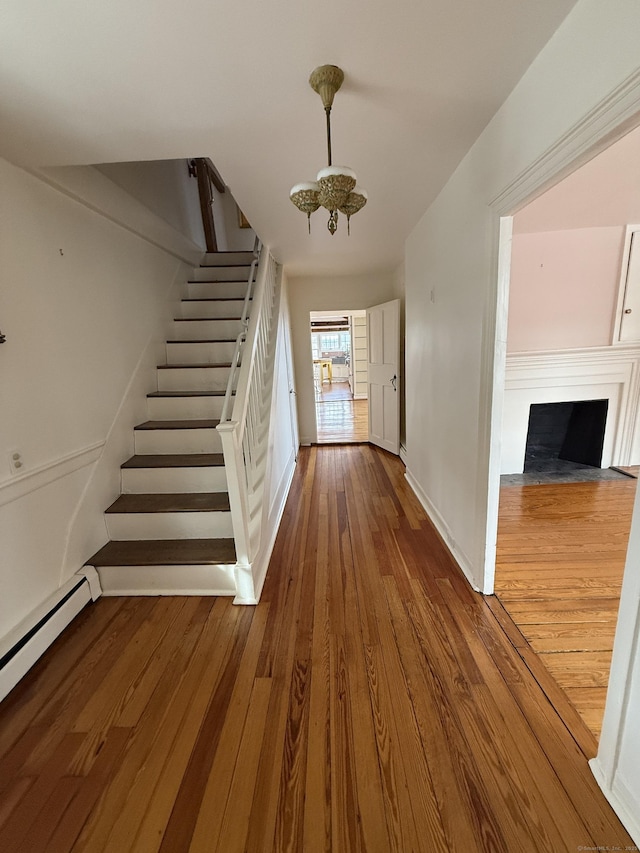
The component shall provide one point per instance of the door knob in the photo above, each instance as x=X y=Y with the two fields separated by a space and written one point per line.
x=627 y=310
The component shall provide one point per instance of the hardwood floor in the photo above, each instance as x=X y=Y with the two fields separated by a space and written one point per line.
x=371 y=702
x=340 y=418
x=561 y=555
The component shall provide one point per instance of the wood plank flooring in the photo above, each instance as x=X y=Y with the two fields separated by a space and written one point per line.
x=340 y=418
x=371 y=702
x=561 y=555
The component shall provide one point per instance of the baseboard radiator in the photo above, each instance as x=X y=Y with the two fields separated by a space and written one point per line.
x=28 y=641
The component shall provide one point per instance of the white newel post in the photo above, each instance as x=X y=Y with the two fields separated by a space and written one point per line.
x=239 y=503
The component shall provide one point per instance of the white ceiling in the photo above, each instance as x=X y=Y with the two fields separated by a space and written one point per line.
x=123 y=80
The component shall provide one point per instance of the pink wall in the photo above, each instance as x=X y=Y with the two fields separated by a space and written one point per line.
x=605 y=191
x=567 y=252
x=564 y=287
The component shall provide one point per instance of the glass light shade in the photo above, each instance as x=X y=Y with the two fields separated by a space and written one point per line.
x=355 y=201
x=335 y=182
x=305 y=196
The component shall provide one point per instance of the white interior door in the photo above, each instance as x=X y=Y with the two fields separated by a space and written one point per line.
x=383 y=366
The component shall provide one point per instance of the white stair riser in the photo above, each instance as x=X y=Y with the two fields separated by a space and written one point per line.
x=184 y=408
x=128 y=526
x=177 y=441
x=199 y=353
x=226 y=258
x=193 y=379
x=205 y=330
x=168 y=481
x=167 y=580
x=239 y=273
x=201 y=308
x=215 y=289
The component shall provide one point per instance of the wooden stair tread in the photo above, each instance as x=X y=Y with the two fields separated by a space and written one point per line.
x=186 y=394
x=183 y=366
x=213 y=299
x=175 y=460
x=203 y=319
x=204 y=423
x=222 y=266
x=182 y=502
x=206 y=341
x=163 y=552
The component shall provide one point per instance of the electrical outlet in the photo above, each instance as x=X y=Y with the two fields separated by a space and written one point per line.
x=16 y=462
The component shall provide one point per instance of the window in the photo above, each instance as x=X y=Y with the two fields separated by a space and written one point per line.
x=331 y=344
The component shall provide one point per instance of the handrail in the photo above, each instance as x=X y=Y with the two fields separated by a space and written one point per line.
x=235 y=359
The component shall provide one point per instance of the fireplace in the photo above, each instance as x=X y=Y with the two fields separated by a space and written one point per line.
x=565 y=433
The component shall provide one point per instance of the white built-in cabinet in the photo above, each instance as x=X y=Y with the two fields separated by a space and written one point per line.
x=359 y=357
x=627 y=318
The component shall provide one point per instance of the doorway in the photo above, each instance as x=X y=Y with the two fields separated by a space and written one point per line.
x=562 y=534
x=339 y=353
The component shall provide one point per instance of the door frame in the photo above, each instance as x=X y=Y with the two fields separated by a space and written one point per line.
x=329 y=312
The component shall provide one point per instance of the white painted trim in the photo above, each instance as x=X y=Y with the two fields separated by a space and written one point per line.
x=93 y=579
x=441 y=526
x=171 y=591
x=566 y=358
x=622 y=286
x=27 y=656
x=20 y=485
x=609 y=121
x=497 y=402
x=589 y=369
x=620 y=801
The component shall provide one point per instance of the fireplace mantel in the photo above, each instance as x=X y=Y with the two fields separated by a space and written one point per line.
x=555 y=376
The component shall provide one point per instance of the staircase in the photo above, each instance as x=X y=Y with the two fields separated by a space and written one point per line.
x=171 y=530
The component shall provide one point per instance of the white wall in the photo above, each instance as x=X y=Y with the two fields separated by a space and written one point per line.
x=166 y=188
x=330 y=293
x=83 y=304
x=225 y=213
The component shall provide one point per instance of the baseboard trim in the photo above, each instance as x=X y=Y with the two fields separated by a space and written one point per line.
x=29 y=640
x=442 y=528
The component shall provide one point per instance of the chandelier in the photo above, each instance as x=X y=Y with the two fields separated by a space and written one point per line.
x=335 y=187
